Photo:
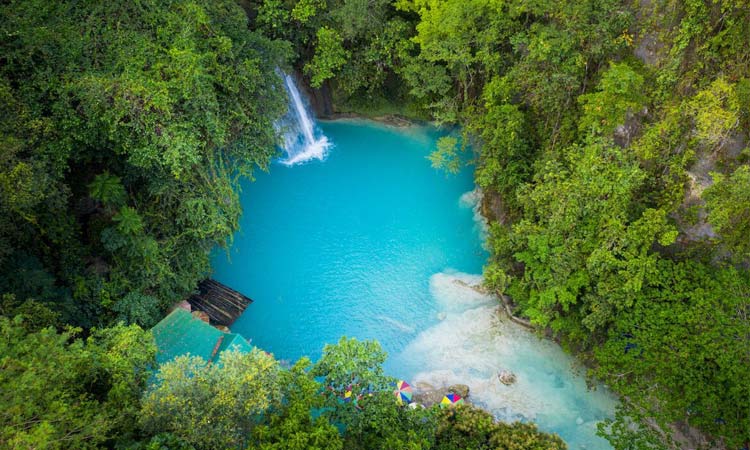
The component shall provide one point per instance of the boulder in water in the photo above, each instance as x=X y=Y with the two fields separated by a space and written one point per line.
x=428 y=397
x=422 y=386
x=460 y=389
x=506 y=377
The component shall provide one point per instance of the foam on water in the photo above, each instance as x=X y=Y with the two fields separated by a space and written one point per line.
x=315 y=150
x=476 y=341
x=472 y=200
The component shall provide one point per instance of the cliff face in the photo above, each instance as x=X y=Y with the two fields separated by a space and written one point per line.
x=321 y=99
x=493 y=208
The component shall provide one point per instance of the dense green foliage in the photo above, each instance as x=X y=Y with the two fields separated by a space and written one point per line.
x=57 y=392
x=600 y=160
x=610 y=138
x=211 y=406
x=124 y=130
x=60 y=392
x=248 y=400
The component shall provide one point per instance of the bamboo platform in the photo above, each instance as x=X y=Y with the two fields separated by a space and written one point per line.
x=222 y=304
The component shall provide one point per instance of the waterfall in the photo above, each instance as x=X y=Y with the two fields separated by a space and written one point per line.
x=302 y=140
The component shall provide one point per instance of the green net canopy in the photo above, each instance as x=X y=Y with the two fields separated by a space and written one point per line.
x=180 y=333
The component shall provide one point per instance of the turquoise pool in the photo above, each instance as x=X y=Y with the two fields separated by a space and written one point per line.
x=370 y=243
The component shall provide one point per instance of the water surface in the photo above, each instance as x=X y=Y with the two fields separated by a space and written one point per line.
x=370 y=243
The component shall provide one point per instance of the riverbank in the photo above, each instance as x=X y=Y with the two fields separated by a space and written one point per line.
x=391 y=120
x=491 y=208
x=329 y=105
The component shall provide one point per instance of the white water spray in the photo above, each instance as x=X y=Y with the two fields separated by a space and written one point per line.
x=302 y=141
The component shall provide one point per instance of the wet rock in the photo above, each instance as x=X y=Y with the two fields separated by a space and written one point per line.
x=422 y=386
x=506 y=377
x=624 y=133
x=442 y=316
x=649 y=49
x=493 y=208
x=394 y=120
x=428 y=398
x=479 y=289
x=428 y=395
x=460 y=389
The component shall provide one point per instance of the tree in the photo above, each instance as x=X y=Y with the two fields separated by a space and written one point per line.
x=680 y=352
x=155 y=113
x=139 y=309
x=108 y=189
x=503 y=136
x=584 y=244
x=352 y=365
x=212 y=405
x=618 y=94
x=359 y=397
x=247 y=401
x=716 y=113
x=291 y=426
x=458 y=44
x=330 y=55
x=59 y=391
x=446 y=156
x=470 y=427
x=35 y=316
x=728 y=204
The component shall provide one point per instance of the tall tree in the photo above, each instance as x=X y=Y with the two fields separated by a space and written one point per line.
x=60 y=391
x=126 y=143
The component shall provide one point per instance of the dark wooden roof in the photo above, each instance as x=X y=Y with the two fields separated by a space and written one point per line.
x=222 y=304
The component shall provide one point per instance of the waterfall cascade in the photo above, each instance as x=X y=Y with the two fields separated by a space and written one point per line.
x=302 y=140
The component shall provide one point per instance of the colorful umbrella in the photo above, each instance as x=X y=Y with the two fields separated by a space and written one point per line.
x=348 y=394
x=403 y=392
x=450 y=400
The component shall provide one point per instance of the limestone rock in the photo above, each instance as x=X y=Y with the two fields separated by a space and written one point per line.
x=506 y=377
x=429 y=397
x=460 y=389
x=395 y=120
x=422 y=386
x=478 y=288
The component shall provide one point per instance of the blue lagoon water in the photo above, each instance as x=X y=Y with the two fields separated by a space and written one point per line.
x=373 y=243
